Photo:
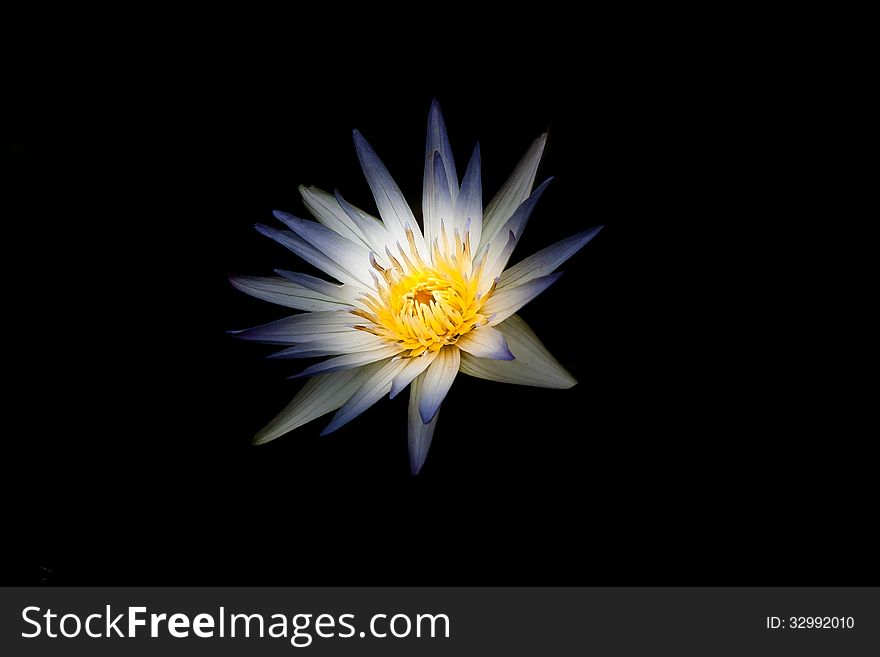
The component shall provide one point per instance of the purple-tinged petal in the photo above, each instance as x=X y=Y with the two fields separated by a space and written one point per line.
x=534 y=365
x=367 y=395
x=374 y=231
x=419 y=434
x=343 y=293
x=307 y=252
x=414 y=367
x=515 y=191
x=443 y=207
x=516 y=225
x=437 y=381
x=469 y=204
x=437 y=142
x=503 y=303
x=331 y=344
x=546 y=260
x=485 y=342
x=349 y=361
x=349 y=255
x=284 y=293
x=326 y=210
x=297 y=329
x=393 y=208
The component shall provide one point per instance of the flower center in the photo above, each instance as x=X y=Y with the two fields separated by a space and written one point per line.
x=423 y=295
x=423 y=306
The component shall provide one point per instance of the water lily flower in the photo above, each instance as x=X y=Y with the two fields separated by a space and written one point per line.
x=411 y=305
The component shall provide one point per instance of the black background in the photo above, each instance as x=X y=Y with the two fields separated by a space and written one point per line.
x=136 y=173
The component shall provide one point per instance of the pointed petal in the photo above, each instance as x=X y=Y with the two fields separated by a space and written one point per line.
x=546 y=260
x=437 y=381
x=419 y=433
x=393 y=208
x=485 y=342
x=443 y=206
x=343 y=293
x=437 y=142
x=319 y=395
x=326 y=210
x=520 y=217
x=284 y=293
x=515 y=191
x=414 y=367
x=505 y=302
x=373 y=230
x=497 y=258
x=349 y=361
x=534 y=366
x=301 y=328
x=469 y=204
x=368 y=394
x=330 y=344
x=351 y=256
x=307 y=252
x=500 y=250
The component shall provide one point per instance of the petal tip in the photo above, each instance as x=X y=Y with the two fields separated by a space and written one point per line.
x=263 y=438
x=427 y=413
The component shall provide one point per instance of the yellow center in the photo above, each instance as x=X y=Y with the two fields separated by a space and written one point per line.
x=421 y=306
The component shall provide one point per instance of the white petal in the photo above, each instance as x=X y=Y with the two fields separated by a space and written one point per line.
x=515 y=191
x=534 y=366
x=393 y=208
x=419 y=434
x=346 y=294
x=319 y=395
x=368 y=394
x=443 y=206
x=349 y=361
x=301 y=328
x=373 y=230
x=437 y=381
x=284 y=293
x=331 y=344
x=352 y=257
x=326 y=210
x=437 y=142
x=546 y=260
x=500 y=248
x=414 y=367
x=497 y=258
x=485 y=342
x=504 y=303
x=469 y=204
x=309 y=253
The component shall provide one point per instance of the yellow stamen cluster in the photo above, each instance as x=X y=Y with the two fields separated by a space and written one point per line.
x=425 y=306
